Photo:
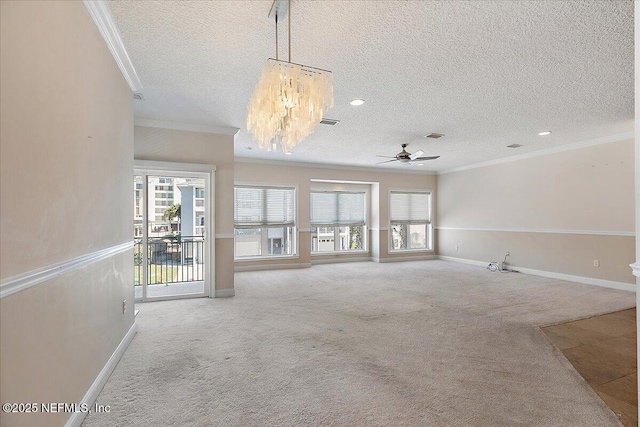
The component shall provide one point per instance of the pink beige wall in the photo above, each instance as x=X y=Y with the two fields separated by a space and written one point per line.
x=168 y=145
x=555 y=213
x=66 y=159
x=302 y=176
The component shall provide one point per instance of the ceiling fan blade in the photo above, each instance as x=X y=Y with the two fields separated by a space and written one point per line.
x=416 y=154
x=425 y=158
x=388 y=157
x=387 y=161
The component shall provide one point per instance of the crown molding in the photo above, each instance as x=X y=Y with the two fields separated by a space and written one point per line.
x=544 y=152
x=189 y=127
x=101 y=14
x=328 y=166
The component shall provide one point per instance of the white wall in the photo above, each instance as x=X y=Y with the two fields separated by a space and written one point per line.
x=66 y=161
x=583 y=199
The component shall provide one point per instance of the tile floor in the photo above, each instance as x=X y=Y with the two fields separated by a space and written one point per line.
x=603 y=351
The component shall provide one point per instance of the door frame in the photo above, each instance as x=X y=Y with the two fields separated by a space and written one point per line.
x=149 y=167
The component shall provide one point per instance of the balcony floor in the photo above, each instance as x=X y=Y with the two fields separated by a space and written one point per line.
x=170 y=290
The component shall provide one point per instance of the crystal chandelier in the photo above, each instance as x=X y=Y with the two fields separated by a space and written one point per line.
x=288 y=101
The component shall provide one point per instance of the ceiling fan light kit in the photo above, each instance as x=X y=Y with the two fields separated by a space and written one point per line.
x=406 y=158
x=290 y=99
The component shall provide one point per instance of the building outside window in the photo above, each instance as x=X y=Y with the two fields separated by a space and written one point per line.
x=338 y=221
x=264 y=221
x=410 y=220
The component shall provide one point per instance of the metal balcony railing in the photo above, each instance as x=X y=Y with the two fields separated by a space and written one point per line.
x=170 y=260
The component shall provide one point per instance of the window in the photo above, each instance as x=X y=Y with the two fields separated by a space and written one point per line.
x=264 y=220
x=410 y=220
x=337 y=221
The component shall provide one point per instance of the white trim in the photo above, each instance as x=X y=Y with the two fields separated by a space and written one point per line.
x=266 y=258
x=101 y=15
x=636 y=269
x=188 y=170
x=224 y=293
x=548 y=231
x=329 y=166
x=553 y=275
x=337 y=260
x=544 y=152
x=189 y=127
x=405 y=258
x=92 y=394
x=225 y=236
x=463 y=261
x=340 y=181
x=242 y=268
x=179 y=169
x=12 y=285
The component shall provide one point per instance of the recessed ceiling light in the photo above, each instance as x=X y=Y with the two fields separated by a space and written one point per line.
x=288 y=153
x=545 y=133
x=357 y=102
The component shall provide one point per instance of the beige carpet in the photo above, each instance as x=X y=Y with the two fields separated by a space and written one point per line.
x=427 y=343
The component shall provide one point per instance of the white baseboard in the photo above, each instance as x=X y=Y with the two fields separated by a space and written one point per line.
x=463 y=261
x=92 y=394
x=339 y=260
x=241 y=268
x=405 y=258
x=224 y=293
x=552 y=275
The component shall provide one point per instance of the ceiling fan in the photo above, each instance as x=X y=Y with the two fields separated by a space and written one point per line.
x=407 y=158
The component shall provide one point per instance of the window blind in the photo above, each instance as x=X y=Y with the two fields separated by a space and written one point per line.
x=263 y=206
x=407 y=207
x=333 y=208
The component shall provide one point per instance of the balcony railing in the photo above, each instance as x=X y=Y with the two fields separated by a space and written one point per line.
x=170 y=260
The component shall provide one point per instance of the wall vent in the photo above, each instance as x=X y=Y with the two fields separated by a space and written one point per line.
x=138 y=96
x=434 y=135
x=330 y=122
x=514 y=146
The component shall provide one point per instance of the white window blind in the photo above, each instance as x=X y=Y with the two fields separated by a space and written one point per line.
x=407 y=207
x=334 y=208
x=263 y=206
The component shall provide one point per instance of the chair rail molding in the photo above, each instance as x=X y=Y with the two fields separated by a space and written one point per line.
x=14 y=284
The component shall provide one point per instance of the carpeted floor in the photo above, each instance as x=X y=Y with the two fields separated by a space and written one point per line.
x=429 y=343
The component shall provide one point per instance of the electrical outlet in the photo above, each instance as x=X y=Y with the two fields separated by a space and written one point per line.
x=596 y=263
x=508 y=253
x=124 y=306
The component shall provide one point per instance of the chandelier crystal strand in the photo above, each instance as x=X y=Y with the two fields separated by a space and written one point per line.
x=287 y=104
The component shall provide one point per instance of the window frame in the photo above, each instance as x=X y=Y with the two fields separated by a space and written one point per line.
x=336 y=226
x=264 y=229
x=429 y=223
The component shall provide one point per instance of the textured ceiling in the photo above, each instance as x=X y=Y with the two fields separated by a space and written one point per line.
x=486 y=74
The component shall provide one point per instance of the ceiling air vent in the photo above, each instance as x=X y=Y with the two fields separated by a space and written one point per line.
x=434 y=135
x=514 y=146
x=138 y=96
x=330 y=122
